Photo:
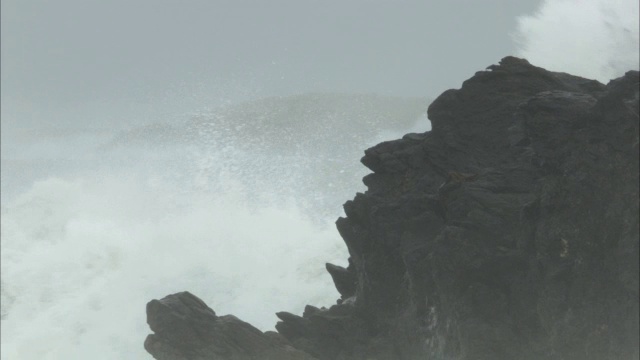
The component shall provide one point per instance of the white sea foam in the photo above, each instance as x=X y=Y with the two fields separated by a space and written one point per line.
x=597 y=39
x=152 y=212
x=81 y=257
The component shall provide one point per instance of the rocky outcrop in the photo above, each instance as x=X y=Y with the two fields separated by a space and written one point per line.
x=509 y=231
x=186 y=328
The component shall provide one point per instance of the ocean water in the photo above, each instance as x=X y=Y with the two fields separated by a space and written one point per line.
x=235 y=205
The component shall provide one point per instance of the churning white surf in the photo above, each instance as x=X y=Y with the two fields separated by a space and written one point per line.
x=236 y=205
x=81 y=257
x=596 y=39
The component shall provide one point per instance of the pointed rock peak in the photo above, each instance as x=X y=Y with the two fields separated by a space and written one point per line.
x=511 y=63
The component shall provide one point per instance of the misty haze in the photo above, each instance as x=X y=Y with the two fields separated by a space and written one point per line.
x=150 y=147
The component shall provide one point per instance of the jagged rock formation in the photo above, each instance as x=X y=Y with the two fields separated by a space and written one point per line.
x=186 y=328
x=510 y=231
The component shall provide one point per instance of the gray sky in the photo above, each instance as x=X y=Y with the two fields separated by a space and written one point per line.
x=66 y=53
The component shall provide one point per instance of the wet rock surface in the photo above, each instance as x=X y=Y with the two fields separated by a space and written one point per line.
x=509 y=231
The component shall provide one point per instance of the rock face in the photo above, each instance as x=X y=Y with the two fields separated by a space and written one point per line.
x=510 y=231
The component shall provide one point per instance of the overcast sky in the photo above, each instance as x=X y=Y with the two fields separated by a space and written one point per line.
x=197 y=52
x=110 y=61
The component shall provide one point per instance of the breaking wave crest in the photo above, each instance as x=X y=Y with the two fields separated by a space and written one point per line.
x=242 y=216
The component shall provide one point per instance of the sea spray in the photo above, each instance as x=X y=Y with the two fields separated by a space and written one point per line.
x=230 y=215
x=81 y=259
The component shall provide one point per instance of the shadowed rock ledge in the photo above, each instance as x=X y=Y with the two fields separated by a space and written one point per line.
x=509 y=231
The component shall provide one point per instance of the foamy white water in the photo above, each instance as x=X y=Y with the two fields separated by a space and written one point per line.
x=118 y=219
x=596 y=39
x=81 y=257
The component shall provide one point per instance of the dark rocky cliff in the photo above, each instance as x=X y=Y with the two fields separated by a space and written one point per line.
x=509 y=231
